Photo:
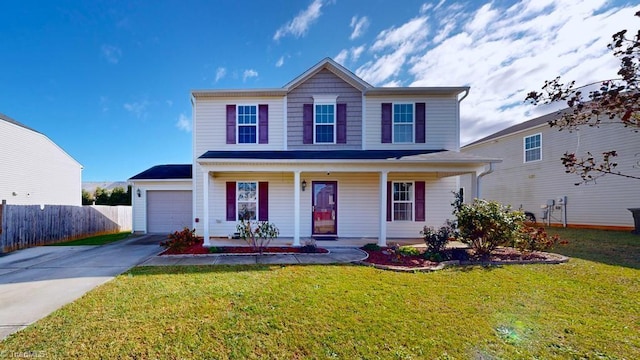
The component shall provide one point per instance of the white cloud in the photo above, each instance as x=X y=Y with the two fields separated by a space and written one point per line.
x=184 y=123
x=220 y=73
x=280 y=61
x=111 y=53
x=139 y=109
x=249 y=73
x=352 y=54
x=500 y=52
x=359 y=26
x=300 y=24
x=342 y=57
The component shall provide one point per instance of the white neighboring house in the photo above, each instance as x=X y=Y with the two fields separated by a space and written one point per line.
x=325 y=156
x=532 y=175
x=36 y=171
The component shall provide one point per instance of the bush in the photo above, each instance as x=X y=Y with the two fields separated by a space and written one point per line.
x=436 y=240
x=408 y=251
x=485 y=225
x=371 y=247
x=257 y=234
x=215 y=250
x=180 y=240
x=309 y=246
x=534 y=239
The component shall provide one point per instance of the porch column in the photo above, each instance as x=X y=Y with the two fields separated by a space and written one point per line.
x=296 y=208
x=382 y=236
x=205 y=208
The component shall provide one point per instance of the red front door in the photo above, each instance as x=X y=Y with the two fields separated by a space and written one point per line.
x=325 y=207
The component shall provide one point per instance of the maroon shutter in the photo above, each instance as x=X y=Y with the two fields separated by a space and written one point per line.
x=263 y=124
x=263 y=201
x=420 y=122
x=419 y=196
x=231 y=124
x=307 y=124
x=341 y=123
x=231 y=201
x=389 y=200
x=386 y=123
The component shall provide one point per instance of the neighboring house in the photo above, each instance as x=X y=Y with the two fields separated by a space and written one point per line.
x=325 y=156
x=531 y=174
x=36 y=171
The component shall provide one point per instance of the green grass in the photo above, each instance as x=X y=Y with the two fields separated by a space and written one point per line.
x=584 y=309
x=96 y=240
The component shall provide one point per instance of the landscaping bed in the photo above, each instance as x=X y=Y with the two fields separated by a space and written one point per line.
x=199 y=249
x=388 y=258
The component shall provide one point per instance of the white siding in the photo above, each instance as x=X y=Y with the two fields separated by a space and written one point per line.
x=358 y=203
x=210 y=120
x=530 y=184
x=441 y=122
x=139 y=203
x=35 y=170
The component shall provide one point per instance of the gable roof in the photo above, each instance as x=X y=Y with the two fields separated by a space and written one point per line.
x=14 y=122
x=526 y=125
x=337 y=69
x=165 y=172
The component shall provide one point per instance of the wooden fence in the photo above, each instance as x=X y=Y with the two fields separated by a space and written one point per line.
x=23 y=226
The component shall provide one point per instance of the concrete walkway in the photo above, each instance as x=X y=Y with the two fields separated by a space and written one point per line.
x=336 y=255
x=36 y=281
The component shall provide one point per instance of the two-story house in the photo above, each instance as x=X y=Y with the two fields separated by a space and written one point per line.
x=325 y=156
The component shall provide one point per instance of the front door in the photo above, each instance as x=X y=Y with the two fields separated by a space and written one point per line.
x=325 y=208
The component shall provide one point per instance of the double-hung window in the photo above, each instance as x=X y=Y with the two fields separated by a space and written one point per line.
x=403 y=123
x=247 y=124
x=325 y=123
x=533 y=148
x=403 y=201
x=247 y=200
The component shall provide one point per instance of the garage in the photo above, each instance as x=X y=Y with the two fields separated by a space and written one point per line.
x=168 y=210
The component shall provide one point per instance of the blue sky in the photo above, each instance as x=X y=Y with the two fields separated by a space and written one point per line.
x=109 y=81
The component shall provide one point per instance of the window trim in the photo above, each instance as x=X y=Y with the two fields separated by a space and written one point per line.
x=256 y=124
x=257 y=201
x=326 y=100
x=413 y=200
x=524 y=148
x=393 y=123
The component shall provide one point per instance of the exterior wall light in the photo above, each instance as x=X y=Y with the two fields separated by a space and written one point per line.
x=139 y=193
x=304 y=184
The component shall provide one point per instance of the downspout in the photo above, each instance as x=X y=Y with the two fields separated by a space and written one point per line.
x=480 y=176
x=466 y=93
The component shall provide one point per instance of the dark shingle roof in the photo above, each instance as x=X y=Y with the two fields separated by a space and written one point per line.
x=520 y=127
x=316 y=154
x=10 y=120
x=164 y=172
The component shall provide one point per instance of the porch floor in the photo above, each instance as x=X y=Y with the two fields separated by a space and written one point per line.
x=338 y=242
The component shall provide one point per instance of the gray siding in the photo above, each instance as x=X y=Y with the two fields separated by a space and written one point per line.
x=531 y=184
x=324 y=83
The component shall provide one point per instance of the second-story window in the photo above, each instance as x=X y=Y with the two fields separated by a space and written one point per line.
x=324 y=123
x=247 y=124
x=533 y=148
x=403 y=123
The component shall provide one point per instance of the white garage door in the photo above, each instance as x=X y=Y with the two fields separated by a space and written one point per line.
x=168 y=211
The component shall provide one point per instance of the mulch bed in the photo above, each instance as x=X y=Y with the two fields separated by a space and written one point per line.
x=500 y=256
x=198 y=249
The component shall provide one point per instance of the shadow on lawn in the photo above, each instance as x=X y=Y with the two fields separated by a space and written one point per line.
x=617 y=248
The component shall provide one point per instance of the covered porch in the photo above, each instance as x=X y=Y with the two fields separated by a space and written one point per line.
x=335 y=201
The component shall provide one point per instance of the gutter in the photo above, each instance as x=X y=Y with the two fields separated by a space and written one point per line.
x=480 y=176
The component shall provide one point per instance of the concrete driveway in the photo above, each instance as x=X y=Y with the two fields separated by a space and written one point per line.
x=36 y=281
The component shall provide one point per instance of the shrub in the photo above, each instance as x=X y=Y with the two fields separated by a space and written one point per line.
x=309 y=246
x=485 y=225
x=534 y=239
x=371 y=247
x=257 y=234
x=215 y=250
x=180 y=240
x=436 y=240
x=408 y=251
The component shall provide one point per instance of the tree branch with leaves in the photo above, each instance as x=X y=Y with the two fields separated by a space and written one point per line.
x=614 y=101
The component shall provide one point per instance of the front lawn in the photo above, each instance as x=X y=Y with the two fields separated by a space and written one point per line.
x=582 y=309
x=95 y=240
